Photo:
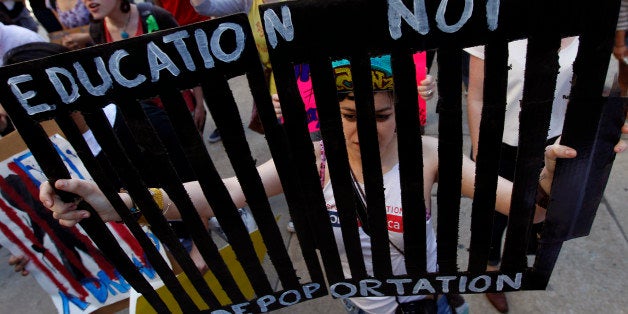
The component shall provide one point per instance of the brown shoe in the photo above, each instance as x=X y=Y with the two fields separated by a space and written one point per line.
x=499 y=301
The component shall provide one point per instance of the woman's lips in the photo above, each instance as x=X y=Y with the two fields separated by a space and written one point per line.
x=93 y=7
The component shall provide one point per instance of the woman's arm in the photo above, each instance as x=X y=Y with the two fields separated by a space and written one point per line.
x=218 y=8
x=68 y=214
x=504 y=187
x=76 y=40
x=475 y=100
x=199 y=111
x=619 y=50
x=267 y=172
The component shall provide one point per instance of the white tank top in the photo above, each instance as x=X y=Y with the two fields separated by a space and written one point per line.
x=392 y=192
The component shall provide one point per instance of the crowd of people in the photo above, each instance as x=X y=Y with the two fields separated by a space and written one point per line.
x=116 y=20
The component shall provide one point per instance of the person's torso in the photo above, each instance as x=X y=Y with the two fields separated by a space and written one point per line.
x=394 y=214
x=109 y=39
x=516 y=62
x=183 y=11
x=75 y=16
x=258 y=30
x=12 y=36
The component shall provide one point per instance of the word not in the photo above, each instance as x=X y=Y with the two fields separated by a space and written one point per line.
x=397 y=10
x=422 y=286
x=419 y=22
x=110 y=70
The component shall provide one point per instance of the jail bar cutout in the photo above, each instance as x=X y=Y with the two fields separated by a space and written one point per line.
x=315 y=33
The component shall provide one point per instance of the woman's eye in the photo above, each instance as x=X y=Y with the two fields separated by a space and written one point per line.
x=382 y=117
x=349 y=117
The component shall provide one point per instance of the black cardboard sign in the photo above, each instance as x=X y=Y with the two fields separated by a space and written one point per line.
x=316 y=32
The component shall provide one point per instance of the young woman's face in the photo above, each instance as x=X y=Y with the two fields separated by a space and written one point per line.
x=99 y=9
x=385 y=118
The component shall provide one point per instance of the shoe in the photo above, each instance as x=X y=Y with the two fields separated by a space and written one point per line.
x=214 y=137
x=499 y=301
x=290 y=227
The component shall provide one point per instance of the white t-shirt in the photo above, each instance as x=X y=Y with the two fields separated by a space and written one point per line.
x=392 y=193
x=516 y=62
x=12 y=36
x=110 y=112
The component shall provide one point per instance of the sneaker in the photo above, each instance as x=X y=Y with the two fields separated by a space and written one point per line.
x=214 y=137
x=290 y=226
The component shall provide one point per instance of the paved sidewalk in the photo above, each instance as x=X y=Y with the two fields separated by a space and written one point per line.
x=590 y=274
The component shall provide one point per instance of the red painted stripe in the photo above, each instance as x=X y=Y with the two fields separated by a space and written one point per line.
x=94 y=252
x=34 y=259
x=125 y=234
x=53 y=259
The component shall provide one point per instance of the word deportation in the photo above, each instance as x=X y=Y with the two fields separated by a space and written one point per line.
x=375 y=287
x=66 y=81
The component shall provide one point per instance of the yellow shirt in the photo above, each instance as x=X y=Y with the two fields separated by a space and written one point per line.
x=260 y=42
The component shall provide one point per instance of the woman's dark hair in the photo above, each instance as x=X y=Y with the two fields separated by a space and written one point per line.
x=32 y=51
x=125 y=6
x=346 y=95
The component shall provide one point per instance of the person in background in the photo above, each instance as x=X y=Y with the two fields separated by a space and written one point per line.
x=182 y=10
x=619 y=50
x=71 y=14
x=19 y=14
x=5 y=124
x=184 y=14
x=516 y=61
x=45 y=16
x=115 y=20
x=12 y=36
x=217 y=8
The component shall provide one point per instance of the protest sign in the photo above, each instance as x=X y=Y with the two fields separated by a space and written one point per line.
x=64 y=261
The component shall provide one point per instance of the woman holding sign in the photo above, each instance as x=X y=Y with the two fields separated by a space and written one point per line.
x=114 y=20
x=387 y=139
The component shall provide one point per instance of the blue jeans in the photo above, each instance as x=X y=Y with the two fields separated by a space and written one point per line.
x=444 y=307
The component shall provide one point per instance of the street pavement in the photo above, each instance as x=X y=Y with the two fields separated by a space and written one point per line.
x=590 y=274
